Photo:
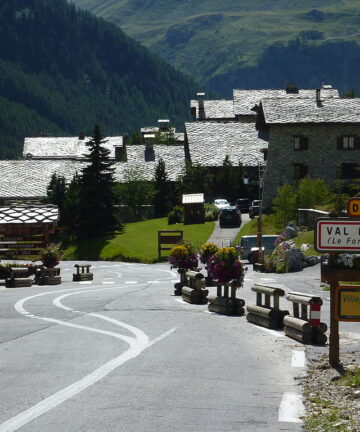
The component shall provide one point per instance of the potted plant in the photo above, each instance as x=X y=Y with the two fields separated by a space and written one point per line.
x=225 y=266
x=50 y=256
x=183 y=258
x=207 y=251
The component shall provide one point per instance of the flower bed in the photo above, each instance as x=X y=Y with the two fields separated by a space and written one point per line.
x=225 y=266
x=183 y=257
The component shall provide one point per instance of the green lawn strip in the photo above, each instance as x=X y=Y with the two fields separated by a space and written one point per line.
x=306 y=237
x=251 y=227
x=137 y=243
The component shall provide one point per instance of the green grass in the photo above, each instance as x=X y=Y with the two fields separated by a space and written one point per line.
x=306 y=237
x=250 y=228
x=350 y=378
x=138 y=242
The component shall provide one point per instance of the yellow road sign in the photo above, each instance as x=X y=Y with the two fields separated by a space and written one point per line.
x=348 y=303
x=353 y=207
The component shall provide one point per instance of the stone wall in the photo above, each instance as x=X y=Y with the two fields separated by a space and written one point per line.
x=322 y=157
x=307 y=217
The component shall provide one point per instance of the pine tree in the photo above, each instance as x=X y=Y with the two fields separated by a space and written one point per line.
x=55 y=192
x=162 y=197
x=96 y=196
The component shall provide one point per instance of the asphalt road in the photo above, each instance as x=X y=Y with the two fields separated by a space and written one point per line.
x=123 y=354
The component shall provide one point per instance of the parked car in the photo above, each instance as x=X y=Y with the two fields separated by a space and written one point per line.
x=254 y=209
x=221 y=203
x=248 y=246
x=243 y=204
x=229 y=216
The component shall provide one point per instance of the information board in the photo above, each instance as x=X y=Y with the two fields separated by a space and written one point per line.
x=348 y=303
x=337 y=235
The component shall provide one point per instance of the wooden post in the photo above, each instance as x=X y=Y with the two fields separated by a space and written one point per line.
x=259 y=238
x=334 y=350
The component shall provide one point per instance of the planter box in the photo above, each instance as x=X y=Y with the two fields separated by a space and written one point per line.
x=329 y=274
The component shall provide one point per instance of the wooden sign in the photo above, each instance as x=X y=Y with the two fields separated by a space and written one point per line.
x=337 y=235
x=347 y=303
x=353 y=207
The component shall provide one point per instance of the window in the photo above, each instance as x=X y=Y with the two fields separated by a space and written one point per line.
x=349 y=171
x=348 y=142
x=300 y=171
x=300 y=143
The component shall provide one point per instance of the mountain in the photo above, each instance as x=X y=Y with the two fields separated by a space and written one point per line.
x=63 y=69
x=227 y=43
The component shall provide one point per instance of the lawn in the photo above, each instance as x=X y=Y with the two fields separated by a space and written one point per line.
x=251 y=228
x=137 y=243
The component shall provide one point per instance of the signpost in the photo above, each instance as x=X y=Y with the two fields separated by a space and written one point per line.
x=340 y=235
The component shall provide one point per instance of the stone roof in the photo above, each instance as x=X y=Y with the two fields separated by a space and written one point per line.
x=64 y=147
x=210 y=142
x=244 y=100
x=28 y=214
x=30 y=178
x=332 y=110
x=215 y=109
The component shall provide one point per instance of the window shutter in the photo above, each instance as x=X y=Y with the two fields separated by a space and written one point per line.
x=339 y=143
x=304 y=143
x=357 y=143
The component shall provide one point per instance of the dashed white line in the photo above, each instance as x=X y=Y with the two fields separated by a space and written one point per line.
x=277 y=333
x=85 y=283
x=130 y=282
x=153 y=281
x=298 y=358
x=108 y=282
x=291 y=408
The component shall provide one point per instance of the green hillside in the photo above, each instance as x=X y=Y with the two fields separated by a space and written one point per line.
x=215 y=41
x=62 y=70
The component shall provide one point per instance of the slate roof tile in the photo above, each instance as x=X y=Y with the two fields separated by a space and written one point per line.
x=25 y=214
x=210 y=142
x=244 y=100
x=332 y=110
x=215 y=109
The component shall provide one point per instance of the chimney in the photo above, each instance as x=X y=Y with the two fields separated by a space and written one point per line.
x=164 y=125
x=318 y=97
x=292 y=88
x=149 y=147
x=201 y=109
x=120 y=150
x=81 y=136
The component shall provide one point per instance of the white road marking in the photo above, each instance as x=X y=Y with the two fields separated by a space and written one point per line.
x=153 y=281
x=298 y=358
x=291 y=408
x=137 y=346
x=181 y=301
x=130 y=282
x=85 y=283
x=277 y=333
x=108 y=282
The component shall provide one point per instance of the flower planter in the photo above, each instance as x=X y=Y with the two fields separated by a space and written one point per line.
x=329 y=274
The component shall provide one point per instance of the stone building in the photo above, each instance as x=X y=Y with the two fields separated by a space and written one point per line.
x=316 y=137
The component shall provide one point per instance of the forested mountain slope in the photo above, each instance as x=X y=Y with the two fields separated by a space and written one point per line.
x=224 y=43
x=62 y=70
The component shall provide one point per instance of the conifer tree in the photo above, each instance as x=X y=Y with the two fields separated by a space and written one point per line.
x=162 y=197
x=96 y=196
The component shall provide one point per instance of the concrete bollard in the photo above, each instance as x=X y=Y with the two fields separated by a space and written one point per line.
x=82 y=273
x=263 y=313
x=226 y=304
x=18 y=278
x=195 y=292
x=305 y=325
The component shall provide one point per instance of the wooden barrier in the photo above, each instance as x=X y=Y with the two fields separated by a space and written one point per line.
x=195 y=292
x=82 y=273
x=305 y=326
x=226 y=304
x=18 y=278
x=50 y=276
x=169 y=238
x=263 y=313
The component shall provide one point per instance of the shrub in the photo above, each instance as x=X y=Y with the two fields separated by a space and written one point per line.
x=176 y=215
x=211 y=212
